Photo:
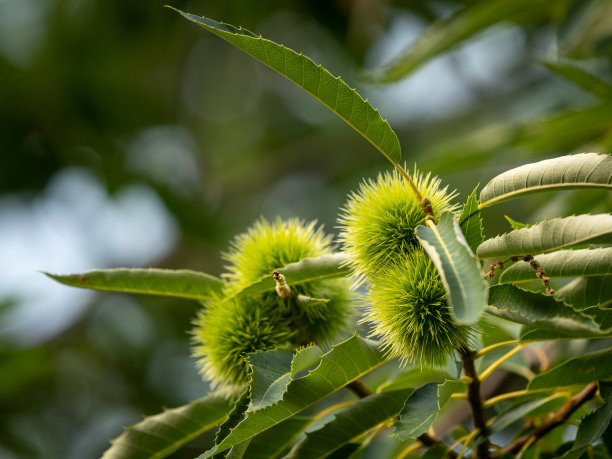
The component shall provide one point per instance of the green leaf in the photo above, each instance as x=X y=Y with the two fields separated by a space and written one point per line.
x=520 y=411
x=160 y=435
x=346 y=362
x=350 y=423
x=584 y=369
x=273 y=370
x=331 y=91
x=587 y=291
x=306 y=270
x=272 y=442
x=566 y=263
x=595 y=424
x=180 y=283
x=540 y=311
x=551 y=235
x=422 y=408
x=516 y=225
x=236 y=415
x=470 y=222
x=585 y=170
x=414 y=377
x=458 y=268
x=442 y=36
x=581 y=78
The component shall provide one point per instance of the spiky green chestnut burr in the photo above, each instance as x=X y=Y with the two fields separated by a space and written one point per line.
x=378 y=221
x=408 y=310
x=313 y=311
x=228 y=329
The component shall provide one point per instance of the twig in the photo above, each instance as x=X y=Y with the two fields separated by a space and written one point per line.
x=476 y=403
x=359 y=389
x=559 y=418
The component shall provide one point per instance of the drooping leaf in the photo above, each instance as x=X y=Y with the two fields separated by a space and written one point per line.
x=581 y=78
x=470 y=222
x=350 y=423
x=516 y=225
x=329 y=90
x=442 y=36
x=587 y=291
x=458 y=268
x=584 y=369
x=275 y=440
x=603 y=318
x=585 y=170
x=594 y=425
x=346 y=362
x=551 y=235
x=160 y=435
x=540 y=311
x=273 y=370
x=565 y=263
x=422 y=408
x=180 y=283
x=306 y=270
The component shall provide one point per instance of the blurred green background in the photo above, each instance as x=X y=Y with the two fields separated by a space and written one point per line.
x=131 y=137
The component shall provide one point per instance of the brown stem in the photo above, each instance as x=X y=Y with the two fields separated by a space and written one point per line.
x=476 y=403
x=359 y=389
x=428 y=440
x=559 y=418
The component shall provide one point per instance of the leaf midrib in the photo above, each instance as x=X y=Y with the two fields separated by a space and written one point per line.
x=484 y=204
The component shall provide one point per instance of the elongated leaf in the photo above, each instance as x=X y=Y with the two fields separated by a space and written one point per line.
x=422 y=408
x=180 y=283
x=160 y=435
x=548 y=236
x=516 y=225
x=540 y=311
x=581 y=78
x=272 y=371
x=442 y=36
x=458 y=268
x=584 y=369
x=275 y=440
x=587 y=291
x=236 y=415
x=470 y=222
x=306 y=270
x=346 y=362
x=334 y=93
x=350 y=423
x=521 y=411
x=585 y=170
x=594 y=425
x=566 y=263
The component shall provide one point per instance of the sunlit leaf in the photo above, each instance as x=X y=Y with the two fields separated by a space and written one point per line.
x=160 y=435
x=522 y=410
x=235 y=416
x=346 y=362
x=350 y=423
x=306 y=270
x=470 y=222
x=458 y=268
x=551 y=235
x=587 y=291
x=584 y=369
x=516 y=225
x=167 y=282
x=314 y=79
x=540 y=311
x=585 y=170
x=272 y=442
x=566 y=263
